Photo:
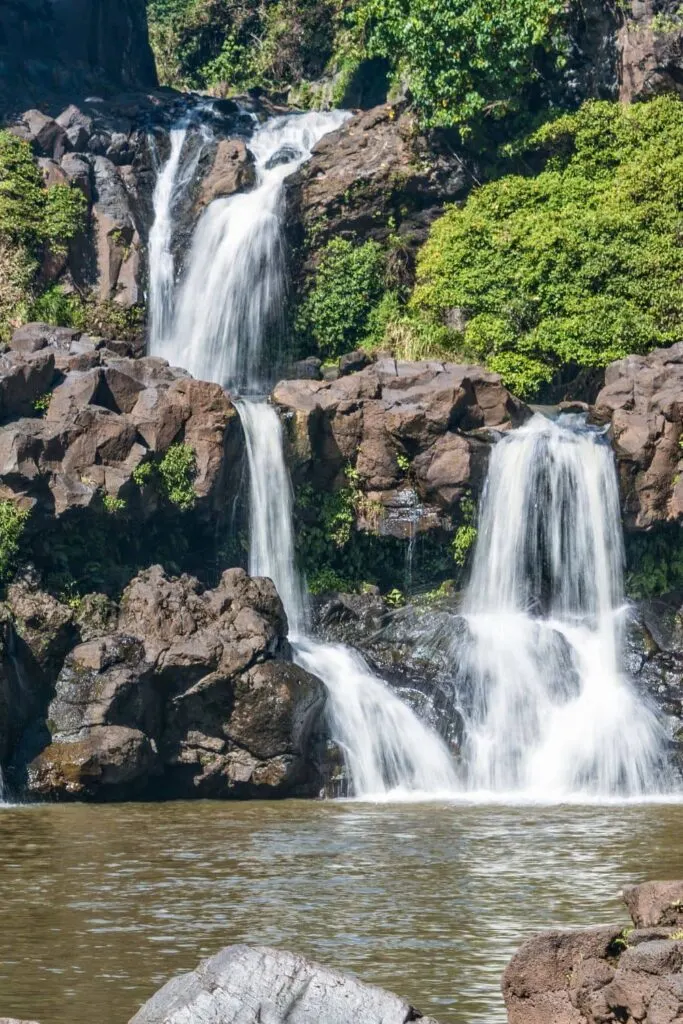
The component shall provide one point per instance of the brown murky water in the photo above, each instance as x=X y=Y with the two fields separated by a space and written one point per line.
x=100 y=905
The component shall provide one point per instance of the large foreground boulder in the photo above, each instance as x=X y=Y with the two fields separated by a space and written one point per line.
x=606 y=974
x=255 y=985
x=182 y=691
x=642 y=401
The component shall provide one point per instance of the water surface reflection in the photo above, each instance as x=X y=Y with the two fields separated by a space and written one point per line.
x=100 y=905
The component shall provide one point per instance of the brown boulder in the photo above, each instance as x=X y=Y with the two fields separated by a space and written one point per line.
x=642 y=401
x=106 y=762
x=429 y=417
x=655 y=903
x=232 y=171
x=375 y=173
x=194 y=687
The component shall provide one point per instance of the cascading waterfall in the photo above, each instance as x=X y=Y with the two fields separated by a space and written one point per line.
x=173 y=179
x=231 y=295
x=553 y=714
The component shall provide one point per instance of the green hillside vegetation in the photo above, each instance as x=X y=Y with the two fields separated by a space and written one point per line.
x=541 y=277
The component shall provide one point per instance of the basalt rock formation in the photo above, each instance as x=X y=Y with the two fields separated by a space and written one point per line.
x=250 y=984
x=78 y=418
x=175 y=691
x=608 y=973
x=642 y=401
x=68 y=47
x=416 y=434
x=376 y=175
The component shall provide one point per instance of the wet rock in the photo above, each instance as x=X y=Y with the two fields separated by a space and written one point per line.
x=642 y=401
x=232 y=171
x=433 y=418
x=107 y=762
x=194 y=686
x=604 y=974
x=373 y=175
x=250 y=984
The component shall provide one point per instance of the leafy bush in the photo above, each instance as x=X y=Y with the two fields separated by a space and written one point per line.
x=33 y=221
x=232 y=44
x=12 y=523
x=575 y=267
x=177 y=471
x=465 y=59
x=654 y=563
x=335 y=315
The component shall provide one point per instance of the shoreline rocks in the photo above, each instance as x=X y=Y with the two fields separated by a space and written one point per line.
x=179 y=691
x=252 y=984
x=608 y=973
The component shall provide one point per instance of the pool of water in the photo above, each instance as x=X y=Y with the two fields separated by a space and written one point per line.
x=101 y=904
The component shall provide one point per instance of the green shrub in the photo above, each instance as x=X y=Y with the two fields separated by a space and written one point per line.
x=464 y=60
x=12 y=523
x=64 y=215
x=335 y=316
x=177 y=471
x=654 y=563
x=54 y=306
x=575 y=267
x=466 y=533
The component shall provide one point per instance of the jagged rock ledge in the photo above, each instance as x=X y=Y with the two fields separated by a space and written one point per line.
x=177 y=691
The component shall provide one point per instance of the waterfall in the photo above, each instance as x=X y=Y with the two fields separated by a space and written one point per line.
x=229 y=304
x=173 y=179
x=232 y=295
x=552 y=712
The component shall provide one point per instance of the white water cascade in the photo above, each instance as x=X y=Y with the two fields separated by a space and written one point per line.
x=231 y=296
x=173 y=179
x=553 y=714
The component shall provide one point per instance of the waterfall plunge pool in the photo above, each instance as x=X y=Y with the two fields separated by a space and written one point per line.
x=102 y=904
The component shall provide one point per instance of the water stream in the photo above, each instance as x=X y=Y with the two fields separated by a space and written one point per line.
x=553 y=714
x=227 y=311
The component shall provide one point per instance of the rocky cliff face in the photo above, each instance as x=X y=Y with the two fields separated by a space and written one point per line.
x=52 y=48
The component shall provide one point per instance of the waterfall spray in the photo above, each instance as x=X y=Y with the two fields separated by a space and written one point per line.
x=553 y=714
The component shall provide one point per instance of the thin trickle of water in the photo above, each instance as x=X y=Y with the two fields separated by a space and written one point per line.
x=553 y=713
x=231 y=295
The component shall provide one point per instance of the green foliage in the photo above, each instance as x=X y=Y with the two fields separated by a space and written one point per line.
x=395 y=598
x=42 y=403
x=466 y=533
x=64 y=215
x=575 y=267
x=34 y=220
x=54 y=306
x=349 y=282
x=112 y=504
x=12 y=524
x=464 y=60
x=228 y=45
x=326 y=580
x=143 y=474
x=654 y=563
x=177 y=471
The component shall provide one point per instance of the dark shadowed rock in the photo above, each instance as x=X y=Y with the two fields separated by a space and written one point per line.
x=194 y=686
x=248 y=985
